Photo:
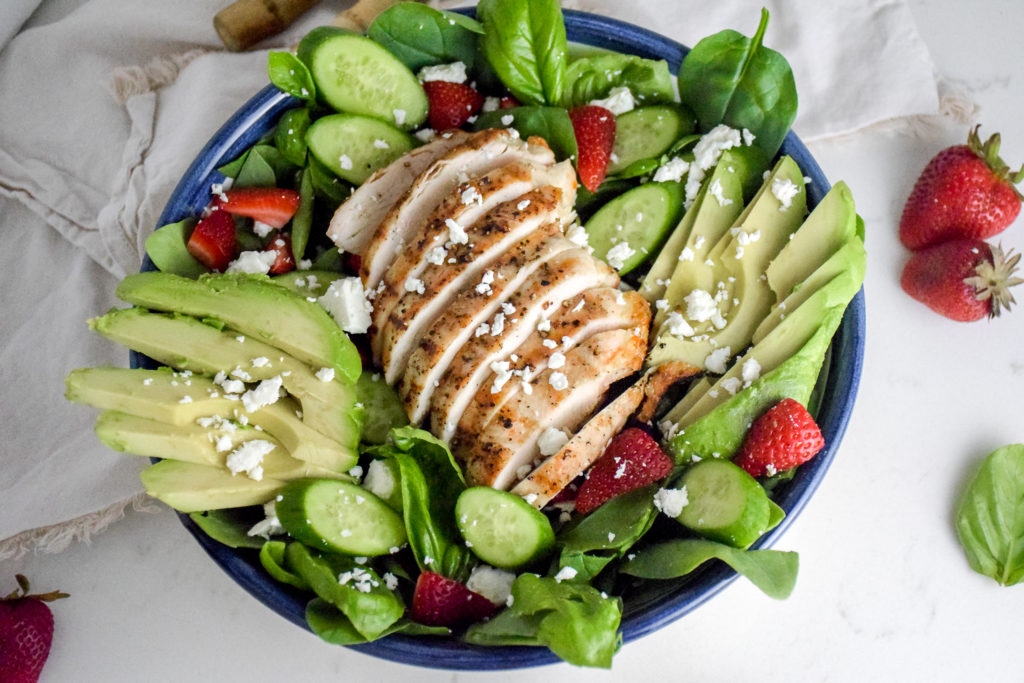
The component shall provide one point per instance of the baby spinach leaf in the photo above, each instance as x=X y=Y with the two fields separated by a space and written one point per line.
x=593 y=77
x=331 y=624
x=290 y=135
x=423 y=36
x=168 y=250
x=328 y=259
x=990 y=517
x=524 y=41
x=228 y=527
x=773 y=571
x=551 y=123
x=272 y=557
x=327 y=185
x=289 y=74
x=729 y=78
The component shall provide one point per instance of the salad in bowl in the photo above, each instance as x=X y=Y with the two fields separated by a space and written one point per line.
x=469 y=346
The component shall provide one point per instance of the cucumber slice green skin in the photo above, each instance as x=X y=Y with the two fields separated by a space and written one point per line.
x=339 y=517
x=502 y=529
x=725 y=503
x=353 y=147
x=357 y=75
x=641 y=218
x=647 y=133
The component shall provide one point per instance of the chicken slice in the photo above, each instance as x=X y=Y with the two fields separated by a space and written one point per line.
x=596 y=310
x=436 y=245
x=355 y=221
x=588 y=444
x=466 y=315
x=561 y=399
x=480 y=153
x=564 y=276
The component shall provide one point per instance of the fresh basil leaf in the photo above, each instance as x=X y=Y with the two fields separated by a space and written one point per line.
x=594 y=77
x=289 y=74
x=431 y=482
x=228 y=527
x=551 y=123
x=990 y=517
x=272 y=557
x=729 y=78
x=421 y=36
x=302 y=221
x=167 y=247
x=773 y=571
x=524 y=41
x=327 y=185
x=357 y=590
x=290 y=135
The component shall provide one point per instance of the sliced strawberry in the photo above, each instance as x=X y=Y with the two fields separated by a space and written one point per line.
x=440 y=601
x=282 y=246
x=595 y=138
x=271 y=205
x=632 y=459
x=212 y=242
x=353 y=262
x=508 y=102
x=784 y=437
x=451 y=104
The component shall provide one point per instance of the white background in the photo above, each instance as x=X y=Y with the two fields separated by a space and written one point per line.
x=884 y=592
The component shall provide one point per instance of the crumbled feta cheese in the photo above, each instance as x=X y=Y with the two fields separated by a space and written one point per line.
x=716 y=191
x=436 y=255
x=414 y=284
x=677 y=326
x=264 y=394
x=345 y=162
x=522 y=205
x=551 y=441
x=484 y=287
x=491 y=104
x=381 y=144
x=347 y=303
x=399 y=115
x=565 y=574
x=748 y=137
x=507 y=120
x=706 y=153
x=248 y=458
x=262 y=229
x=717 y=360
x=498 y=326
x=456 y=235
x=730 y=384
x=672 y=171
x=325 y=374
x=671 y=501
x=493 y=584
x=557 y=360
x=452 y=73
x=558 y=381
x=700 y=305
x=578 y=235
x=254 y=262
x=619 y=101
x=380 y=480
x=270 y=526
x=470 y=195
x=425 y=134
x=617 y=255
x=750 y=370
x=784 y=190
x=543 y=325
x=260 y=362
x=502 y=375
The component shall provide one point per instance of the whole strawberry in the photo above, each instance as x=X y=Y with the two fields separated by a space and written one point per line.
x=964 y=279
x=785 y=436
x=965 y=191
x=26 y=632
x=440 y=601
x=632 y=459
x=451 y=104
x=595 y=138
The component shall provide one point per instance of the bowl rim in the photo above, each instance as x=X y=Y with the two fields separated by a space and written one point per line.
x=257 y=117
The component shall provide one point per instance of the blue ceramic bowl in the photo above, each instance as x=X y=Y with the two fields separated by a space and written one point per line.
x=657 y=603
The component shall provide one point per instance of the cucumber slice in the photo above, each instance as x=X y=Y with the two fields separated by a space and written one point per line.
x=725 y=503
x=340 y=517
x=502 y=529
x=628 y=229
x=357 y=75
x=353 y=147
x=647 y=132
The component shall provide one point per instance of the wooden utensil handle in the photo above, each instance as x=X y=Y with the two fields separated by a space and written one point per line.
x=244 y=23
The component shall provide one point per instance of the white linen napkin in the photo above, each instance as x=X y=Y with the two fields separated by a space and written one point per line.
x=106 y=102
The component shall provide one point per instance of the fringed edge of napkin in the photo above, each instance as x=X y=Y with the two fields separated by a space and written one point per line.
x=57 y=537
x=127 y=82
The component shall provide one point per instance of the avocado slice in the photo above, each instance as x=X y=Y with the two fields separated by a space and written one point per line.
x=254 y=306
x=192 y=443
x=176 y=399
x=188 y=487
x=742 y=295
x=185 y=343
x=307 y=282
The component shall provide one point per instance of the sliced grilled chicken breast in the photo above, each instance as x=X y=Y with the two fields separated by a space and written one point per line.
x=561 y=398
x=471 y=207
x=575 y=320
x=564 y=276
x=479 y=154
x=588 y=444
x=355 y=221
x=465 y=316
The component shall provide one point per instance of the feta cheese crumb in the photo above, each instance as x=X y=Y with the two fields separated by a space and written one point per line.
x=379 y=481
x=425 y=134
x=551 y=441
x=617 y=255
x=522 y=205
x=750 y=370
x=471 y=195
x=784 y=190
x=717 y=360
x=399 y=115
x=452 y=73
x=254 y=262
x=672 y=171
x=677 y=326
x=493 y=584
x=619 y=101
x=557 y=360
x=565 y=574
x=716 y=191
x=456 y=235
x=491 y=104
x=248 y=458
x=671 y=501
x=345 y=162
x=381 y=144
x=264 y=394
x=414 y=284
x=558 y=381
x=325 y=374
x=270 y=525
x=578 y=235
x=502 y=374
x=484 y=287
x=507 y=120
x=700 y=305
x=731 y=384
x=347 y=303
x=262 y=229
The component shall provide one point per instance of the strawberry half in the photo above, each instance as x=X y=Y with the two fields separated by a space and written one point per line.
x=281 y=244
x=213 y=240
x=965 y=191
x=964 y=280
x=595 y=138
x=271 y=205
x=26 y=633
x=451 y=104
x=632 y=459
x=784 y=437
x=440 y=601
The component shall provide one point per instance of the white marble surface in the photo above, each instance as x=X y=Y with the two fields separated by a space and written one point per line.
x=884 y=591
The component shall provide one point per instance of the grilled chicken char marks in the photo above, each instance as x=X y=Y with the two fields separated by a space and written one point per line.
x=575 y=320
x=479 y=154
x=356 y=220
x=564 y=276
x=584 y=447
x=561 y=399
